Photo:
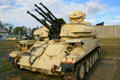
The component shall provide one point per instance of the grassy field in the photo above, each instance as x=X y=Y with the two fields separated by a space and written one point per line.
x=6 y=48
x=110 y=48
x=118 y=71
x=5 y=65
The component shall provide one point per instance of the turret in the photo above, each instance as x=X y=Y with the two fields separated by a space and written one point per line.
x=52 y=23
x=41 y=34
x=78 y=28
x=78 y=17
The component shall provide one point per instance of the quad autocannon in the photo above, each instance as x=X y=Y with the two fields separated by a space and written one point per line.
x=49 y=21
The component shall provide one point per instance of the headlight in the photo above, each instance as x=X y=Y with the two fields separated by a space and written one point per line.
x=68 y=60
x=26 y=53
x=12 y=54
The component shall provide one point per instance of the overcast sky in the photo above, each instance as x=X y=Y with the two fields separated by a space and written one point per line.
x=14 y=11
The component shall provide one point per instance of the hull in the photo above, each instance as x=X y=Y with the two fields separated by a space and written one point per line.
x=51 y=55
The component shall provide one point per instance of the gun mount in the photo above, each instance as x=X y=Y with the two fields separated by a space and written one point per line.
x=49 y=21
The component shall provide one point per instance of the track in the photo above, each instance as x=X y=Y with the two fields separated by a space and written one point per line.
x=105 y=69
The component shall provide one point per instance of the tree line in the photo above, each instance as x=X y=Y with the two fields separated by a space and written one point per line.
x=17 y=30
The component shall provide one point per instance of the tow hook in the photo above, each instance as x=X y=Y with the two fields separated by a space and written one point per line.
x=53 y=70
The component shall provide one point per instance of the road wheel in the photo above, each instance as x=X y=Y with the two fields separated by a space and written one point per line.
x=99 y=50
x=87 y=66
x=94 y=57
x=81 y=72
x=97 y=55
x=91 y=62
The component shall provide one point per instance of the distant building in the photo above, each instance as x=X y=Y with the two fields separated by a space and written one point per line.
x=12 y=37
x=3 y=34
x=108 y=31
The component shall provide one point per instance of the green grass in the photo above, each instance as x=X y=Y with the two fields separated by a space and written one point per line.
x=118 y=71
x=109 y=51
x=5 y=45
x=5 y=65
x=110 y=39
x=111 y=47
x=112 y=51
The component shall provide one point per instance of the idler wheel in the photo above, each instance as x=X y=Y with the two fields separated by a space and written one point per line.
x=81 y=72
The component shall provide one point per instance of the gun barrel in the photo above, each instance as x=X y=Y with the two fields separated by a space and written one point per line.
x=48 y=17
x=43 y=16
x=48 y=10
x=45 y=24
x=44 y=12
x=39 y=8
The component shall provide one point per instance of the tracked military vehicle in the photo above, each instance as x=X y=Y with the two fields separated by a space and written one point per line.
x=24 y=45
x=62 y=49
x=21 y=47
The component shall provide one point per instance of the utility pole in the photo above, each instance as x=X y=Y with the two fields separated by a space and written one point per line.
x=19 y=33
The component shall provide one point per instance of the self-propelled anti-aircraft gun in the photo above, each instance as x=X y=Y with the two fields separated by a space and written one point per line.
x=63 y=49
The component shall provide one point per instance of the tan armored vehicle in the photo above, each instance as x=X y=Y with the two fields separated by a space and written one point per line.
x=21 y=47
x=72 y=52
x=24 y=45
